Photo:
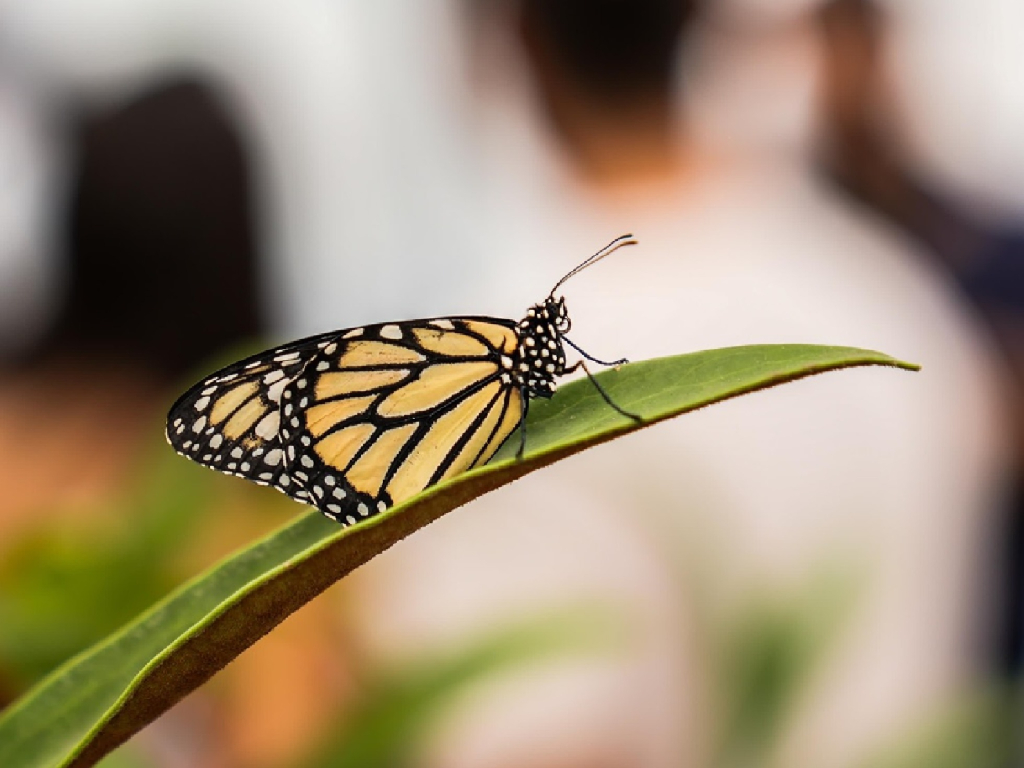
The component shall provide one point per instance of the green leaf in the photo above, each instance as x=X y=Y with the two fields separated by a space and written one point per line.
x=99 y=699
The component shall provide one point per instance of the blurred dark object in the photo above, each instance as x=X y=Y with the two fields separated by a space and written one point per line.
x=161 y=248
x=858 y=152
x=605 y=73
x=615 y=50
x=987 y=261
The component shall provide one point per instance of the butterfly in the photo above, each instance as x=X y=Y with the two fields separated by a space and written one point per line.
x=357 y=420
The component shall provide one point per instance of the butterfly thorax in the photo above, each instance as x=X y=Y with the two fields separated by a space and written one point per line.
x=540 y=357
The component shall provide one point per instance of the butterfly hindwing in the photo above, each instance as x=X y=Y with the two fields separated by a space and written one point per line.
x=391 y=409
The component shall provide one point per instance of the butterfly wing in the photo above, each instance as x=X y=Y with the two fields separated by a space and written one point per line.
x=358 y=420
x=392 y=409
x=230 y=420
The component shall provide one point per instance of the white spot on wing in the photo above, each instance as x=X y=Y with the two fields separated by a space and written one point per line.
x=201 y=403
x=273 y=458
x=198 y=426
x=268 y=425
x=353 y=333
x=274 y=393
x=391 y=332
x=273 y=376
x=443 y=323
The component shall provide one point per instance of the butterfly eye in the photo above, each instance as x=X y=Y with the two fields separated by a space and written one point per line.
x=557 y=312
x=563 y=323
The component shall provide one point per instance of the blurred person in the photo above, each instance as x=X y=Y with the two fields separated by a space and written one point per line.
x=595 y=118
x=864 y=153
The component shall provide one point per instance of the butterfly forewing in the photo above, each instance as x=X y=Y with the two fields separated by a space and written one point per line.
x=358 y=420
x=230 y=420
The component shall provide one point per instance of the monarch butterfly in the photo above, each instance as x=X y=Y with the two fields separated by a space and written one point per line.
x=357 y=420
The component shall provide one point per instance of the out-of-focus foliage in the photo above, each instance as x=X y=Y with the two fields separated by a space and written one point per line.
x=64 y=588
x=765 y=658
x=980 y=730
x=397 y=711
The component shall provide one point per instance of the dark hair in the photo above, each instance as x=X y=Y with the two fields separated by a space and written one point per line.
x=613 y=48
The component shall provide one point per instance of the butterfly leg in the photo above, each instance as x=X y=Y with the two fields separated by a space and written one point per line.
x=613 y=363
x=582 y=364
x=525 y=400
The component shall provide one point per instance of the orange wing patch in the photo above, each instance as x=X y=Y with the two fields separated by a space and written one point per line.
x=368 y=473
x=362 y=353
x=226 y=404
x=321 y=418
x=339 y=448
x=502 y=338
x=480 y=439
x=435 y=385
x=244 y=418
x=339 y=383
x=425 y=460
x=513 y=414
x=450 y=343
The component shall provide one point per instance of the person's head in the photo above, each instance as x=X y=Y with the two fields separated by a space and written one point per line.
x=605 y=65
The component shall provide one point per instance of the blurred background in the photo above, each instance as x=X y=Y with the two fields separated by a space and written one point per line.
x=827 y=574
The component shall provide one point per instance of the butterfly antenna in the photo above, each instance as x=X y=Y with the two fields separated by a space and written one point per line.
x=614 y=245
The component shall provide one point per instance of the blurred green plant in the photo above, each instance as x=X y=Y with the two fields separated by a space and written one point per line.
x=65 y=588
x=96 y=701
x=398 y=710
x=766 y=657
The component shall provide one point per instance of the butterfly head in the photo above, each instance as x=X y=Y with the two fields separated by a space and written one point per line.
x=559 y=316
